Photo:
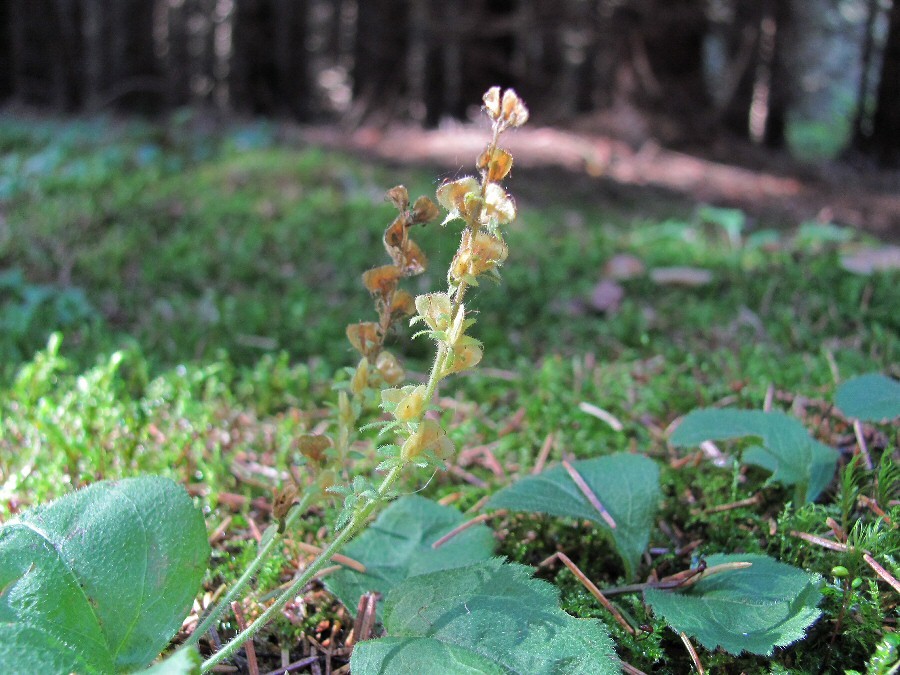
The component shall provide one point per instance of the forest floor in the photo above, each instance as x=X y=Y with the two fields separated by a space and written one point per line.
x=766 y=184
x=202 y=281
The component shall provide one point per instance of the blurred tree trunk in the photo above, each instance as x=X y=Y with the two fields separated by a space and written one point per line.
x=885 y=138
x=379 y=71
x=177 y=55
x=6 y=52
x=780 y=82
x=422 y=89
x=862 y=116
x=292 y=76
x=94 y=57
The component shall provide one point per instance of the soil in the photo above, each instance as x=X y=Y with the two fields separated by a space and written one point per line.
x=769 y=186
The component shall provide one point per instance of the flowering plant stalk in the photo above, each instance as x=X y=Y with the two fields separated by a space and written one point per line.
x=484 y=207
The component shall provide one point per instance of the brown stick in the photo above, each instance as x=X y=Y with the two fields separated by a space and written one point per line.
x=630 y=669
x=593 y=590
x=249 y=649
x=873 y=506
x=480 y=518
x=589 y=494
x=695 y=657
x=820 y=541
x=543 y=455
x=883 y=573
x=337 y=557
x=750 y=501
x=863 y=448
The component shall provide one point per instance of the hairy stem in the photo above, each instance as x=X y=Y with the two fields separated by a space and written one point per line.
x=264 y=551
x=356 y=523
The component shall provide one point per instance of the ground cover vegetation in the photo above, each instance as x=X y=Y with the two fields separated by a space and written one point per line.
x=177 y=303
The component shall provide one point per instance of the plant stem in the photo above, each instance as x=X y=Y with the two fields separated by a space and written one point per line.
x=264 y=551
x=345 y=535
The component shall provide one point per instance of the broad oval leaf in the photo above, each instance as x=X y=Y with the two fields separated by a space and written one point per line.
x=487 y=617
x=101 y=579
x=399 y=545
x=626 y=485
x=756 y=609
x=872 y=398
x=787 y=450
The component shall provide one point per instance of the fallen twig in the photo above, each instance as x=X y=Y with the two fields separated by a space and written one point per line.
x=589 y=494
x=337 y=557
x=883 y=573
x=750 y=501
x=821 y=541
x=249 y=649
x=466 y=525
x=593 y=590
x=601 y=414
x=543 y=455
x=695 y=657
x=863 y=448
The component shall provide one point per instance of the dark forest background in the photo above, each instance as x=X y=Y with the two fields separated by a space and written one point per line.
x=819 y=76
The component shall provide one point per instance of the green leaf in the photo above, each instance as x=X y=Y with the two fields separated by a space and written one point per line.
x=488 y=617
x=626 y=485
x=398 y=545
x=787 y=450
x=101 y=579
x=755 y=609
x=871 y=398
x=405 y=656
x=182 y=662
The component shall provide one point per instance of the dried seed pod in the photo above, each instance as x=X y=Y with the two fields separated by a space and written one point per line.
x=313 y=446
x=365 y=337
x=498 y=205
x=399 y=197
x=492 y=102
x=413 y=260
x=512 y=110
x=495 y=163
x=403 y=304
x=390 y=369
x=395 y=239
x=452 y=195
x=477 y=254
x=382 y=280
x=282 y=501
x=423 y=211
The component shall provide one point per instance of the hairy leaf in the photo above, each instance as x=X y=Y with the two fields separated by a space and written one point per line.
x=488 y=617
x=626 y=485
x=787 y=450
x=872 y=398
x=398 y=545
x=99 y=580
x=755 y=609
